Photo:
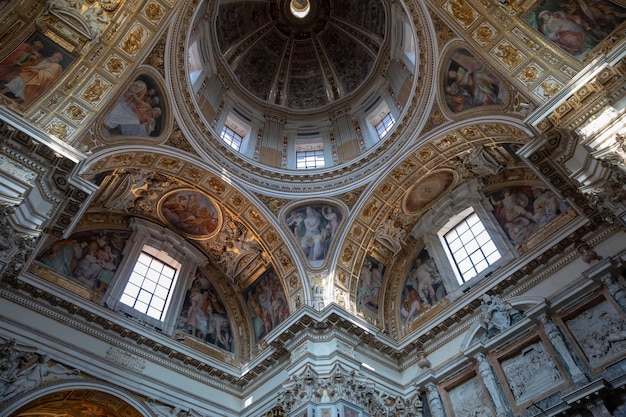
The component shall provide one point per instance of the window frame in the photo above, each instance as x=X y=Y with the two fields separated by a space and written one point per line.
x=447 y=212
x=453 y=225
x=163 y=259
x=317 y=154
x=168 y=246
x=387 y=126
x=311 y=149
x=229 y=136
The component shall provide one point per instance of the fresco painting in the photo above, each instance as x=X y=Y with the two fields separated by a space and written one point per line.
x=32 y=68
x=139 y=112
x=576 y=26
x=314 y=228
x=192 y=213
x=90 y=258
x=522 y=211
x=203 y=314
x=266 y=303
x=370 y=285
x=469 y=84
x=422 y=288
x=421 y=195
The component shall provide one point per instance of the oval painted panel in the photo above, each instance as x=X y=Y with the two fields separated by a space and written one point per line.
x=192 y=213
x=428 y=190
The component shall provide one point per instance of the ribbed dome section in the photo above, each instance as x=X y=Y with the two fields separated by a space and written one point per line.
x=301 y=63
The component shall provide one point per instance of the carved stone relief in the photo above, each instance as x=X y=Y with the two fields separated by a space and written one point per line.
x=470 y=399
x=346 y=385
x=600 y=331
x=531 y=372
x=24 y=370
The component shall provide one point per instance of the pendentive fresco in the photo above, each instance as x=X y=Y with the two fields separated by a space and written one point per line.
x=138 y=112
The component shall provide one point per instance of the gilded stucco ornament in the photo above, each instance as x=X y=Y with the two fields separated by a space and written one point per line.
x=58 y=129
x=75 y=112
x=110 y=5
x=462 y=12
x=94 y=92
x=153 y=11
x=549 y=88
x=529 y=74
x=348 y=253
x=134 y=40
x=508 y=54
x=115 y=65
x=484 y=34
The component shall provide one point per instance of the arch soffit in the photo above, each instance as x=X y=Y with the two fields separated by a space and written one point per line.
x=101 y=388
x=237 y=202
x=439 y=151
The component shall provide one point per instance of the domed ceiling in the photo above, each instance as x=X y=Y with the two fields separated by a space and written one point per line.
x=301 y=63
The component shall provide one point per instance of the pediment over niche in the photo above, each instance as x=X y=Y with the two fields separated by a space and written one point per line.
x=498 y=316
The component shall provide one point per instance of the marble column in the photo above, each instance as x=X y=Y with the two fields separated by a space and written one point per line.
x=490 y=382
x=434 y=400
x=557 y=342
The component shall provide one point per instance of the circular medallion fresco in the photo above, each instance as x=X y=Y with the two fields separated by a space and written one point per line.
x=426 y=191
x=191 y=213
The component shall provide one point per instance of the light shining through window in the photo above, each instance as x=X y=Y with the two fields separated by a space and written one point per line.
x=384 y=126
x=471 y=247
x=231 y=138
x=310 y=159
x=149 y=286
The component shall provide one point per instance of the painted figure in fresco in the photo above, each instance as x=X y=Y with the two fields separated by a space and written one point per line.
x=136 y=112
x=191 y=212
x=91 y=258
x=576 y=25
x=567 y=33
x=267 y=304
x=312 y=240
x=34 y=78
x=203 y=314
x=11 y=65
x=333 y=219
x=425 y=275
x=63 y=256
x=314 y=227
x=370 y=283
x=522 y=211
x=422 y=288
x=469 y=85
